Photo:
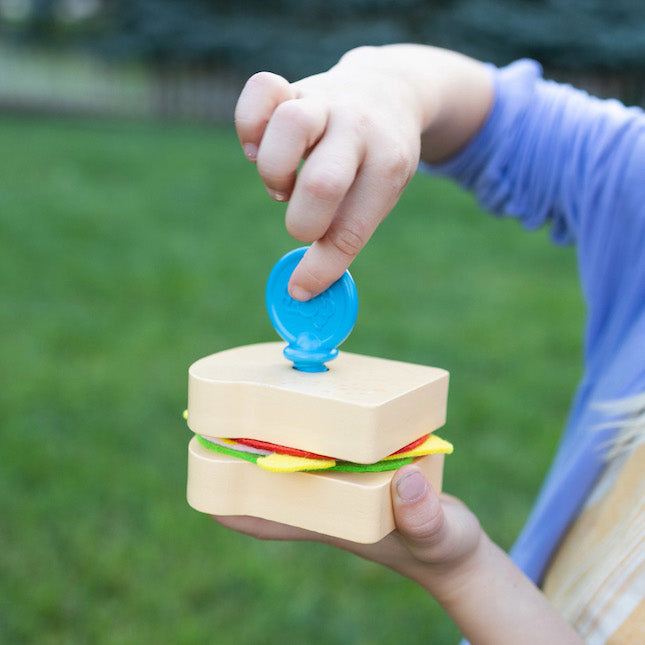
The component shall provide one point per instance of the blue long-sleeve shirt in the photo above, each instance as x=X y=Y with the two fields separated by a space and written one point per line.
x=549 y=154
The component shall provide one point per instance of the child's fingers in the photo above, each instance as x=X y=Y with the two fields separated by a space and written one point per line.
x=261 y=95
x=262 y=529
x=324 y=181
x=372 y=196
x=295 y=126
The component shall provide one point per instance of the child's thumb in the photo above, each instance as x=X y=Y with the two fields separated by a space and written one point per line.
x=418 y=513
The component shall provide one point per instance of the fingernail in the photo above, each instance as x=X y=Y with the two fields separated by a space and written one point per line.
x=251 y=151
x=278 y=196
x=411 y=487
x=298 y=293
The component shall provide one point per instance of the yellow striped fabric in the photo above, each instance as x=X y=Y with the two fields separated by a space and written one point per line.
x=597 y=577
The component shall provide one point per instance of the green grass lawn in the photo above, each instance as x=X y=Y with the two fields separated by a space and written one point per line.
x=129 y=251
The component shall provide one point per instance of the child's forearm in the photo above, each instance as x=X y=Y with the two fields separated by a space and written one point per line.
x=467 y=98
x=493 y=602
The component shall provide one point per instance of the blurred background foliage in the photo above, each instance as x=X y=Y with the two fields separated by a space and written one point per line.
x=300 y=37
x=130 y=247
x=591 y=42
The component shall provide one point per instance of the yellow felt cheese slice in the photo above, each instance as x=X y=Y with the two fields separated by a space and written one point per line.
x=431 y=446
x=277 y=463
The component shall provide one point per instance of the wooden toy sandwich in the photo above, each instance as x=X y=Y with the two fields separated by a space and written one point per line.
x=303 y=444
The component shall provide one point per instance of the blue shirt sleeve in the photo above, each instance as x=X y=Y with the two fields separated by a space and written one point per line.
x=546 y=153
x=551 y=155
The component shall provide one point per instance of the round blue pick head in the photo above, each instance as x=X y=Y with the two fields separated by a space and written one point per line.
x=312 y=329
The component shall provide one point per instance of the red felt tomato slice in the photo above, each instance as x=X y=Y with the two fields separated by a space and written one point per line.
x=296 y=452
x=412 y=446
x=282 y=450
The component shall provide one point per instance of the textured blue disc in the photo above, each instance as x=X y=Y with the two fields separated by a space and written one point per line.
x=312 y=329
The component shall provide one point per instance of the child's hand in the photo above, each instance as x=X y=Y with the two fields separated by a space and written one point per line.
x=439 y=544
x=436 y=542
x=359 y=127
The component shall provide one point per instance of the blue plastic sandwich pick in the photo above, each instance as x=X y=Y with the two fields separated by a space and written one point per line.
x=312 y=329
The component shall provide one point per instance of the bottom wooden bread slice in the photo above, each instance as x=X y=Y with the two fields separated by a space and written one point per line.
x=352 y=506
